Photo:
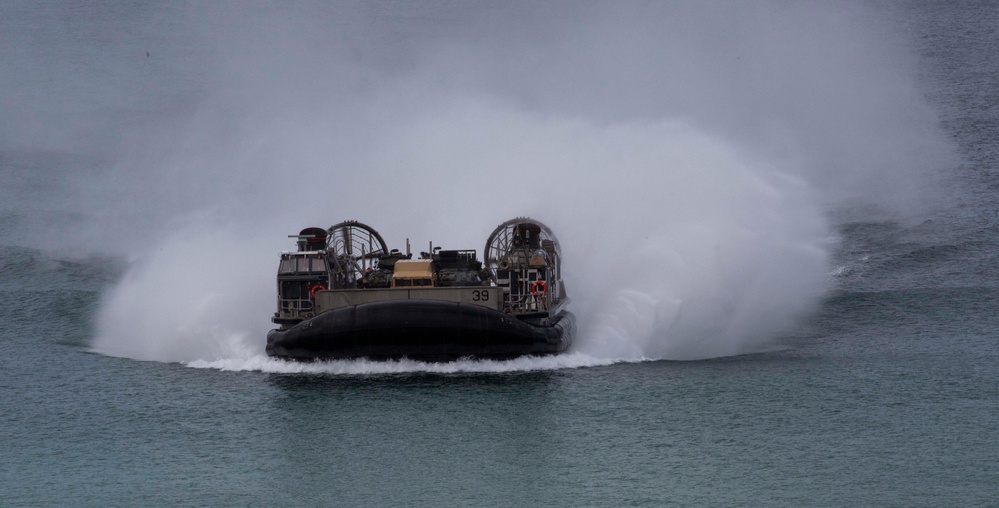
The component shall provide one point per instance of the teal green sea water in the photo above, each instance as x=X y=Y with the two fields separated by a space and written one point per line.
x=882 y=393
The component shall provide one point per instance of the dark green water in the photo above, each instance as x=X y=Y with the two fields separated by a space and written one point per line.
x=886 y=395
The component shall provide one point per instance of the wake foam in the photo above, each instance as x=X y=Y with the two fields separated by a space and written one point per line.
x=264 y=363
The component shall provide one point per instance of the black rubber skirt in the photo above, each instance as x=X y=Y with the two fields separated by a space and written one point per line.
x=425 y=330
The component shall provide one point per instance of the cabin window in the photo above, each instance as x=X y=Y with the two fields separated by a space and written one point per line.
x=318 y=265
x=302 y=265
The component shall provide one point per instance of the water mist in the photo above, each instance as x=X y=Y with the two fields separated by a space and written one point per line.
x=676 y=246
x=685 y=155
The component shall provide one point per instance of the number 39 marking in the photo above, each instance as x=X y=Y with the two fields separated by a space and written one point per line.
x=480 y=295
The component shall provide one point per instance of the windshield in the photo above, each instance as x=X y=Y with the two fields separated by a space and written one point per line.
x=302 y=264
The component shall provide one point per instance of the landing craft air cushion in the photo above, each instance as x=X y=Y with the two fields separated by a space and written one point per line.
x=343 y=294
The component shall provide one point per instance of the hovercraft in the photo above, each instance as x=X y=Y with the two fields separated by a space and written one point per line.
x=343 y=294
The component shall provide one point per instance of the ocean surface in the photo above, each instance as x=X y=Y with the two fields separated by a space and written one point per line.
x=881 y=390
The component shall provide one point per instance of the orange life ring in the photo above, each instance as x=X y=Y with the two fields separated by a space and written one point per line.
x=539 y=288
x=317 y=287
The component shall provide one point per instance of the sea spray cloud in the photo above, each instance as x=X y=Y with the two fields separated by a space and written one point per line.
x=195 y=297
x=685 y=154
x=691 y=251
x=675 y=247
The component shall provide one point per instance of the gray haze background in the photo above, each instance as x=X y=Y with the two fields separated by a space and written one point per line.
x=692 y=158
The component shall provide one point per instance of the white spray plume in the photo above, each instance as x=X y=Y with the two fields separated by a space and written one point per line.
x=675 y=246
x=685 y=154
